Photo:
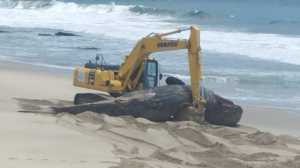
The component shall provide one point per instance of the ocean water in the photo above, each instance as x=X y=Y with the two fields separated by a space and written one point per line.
x=250 y=48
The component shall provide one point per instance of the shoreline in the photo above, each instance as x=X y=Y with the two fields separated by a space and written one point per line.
x=43 y=67
x=288 y=110
x=275 y=120
x=69 y=71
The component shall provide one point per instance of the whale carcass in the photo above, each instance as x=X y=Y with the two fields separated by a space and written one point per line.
x=159 y=104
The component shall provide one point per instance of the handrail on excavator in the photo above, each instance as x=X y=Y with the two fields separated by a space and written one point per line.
x=172 y=32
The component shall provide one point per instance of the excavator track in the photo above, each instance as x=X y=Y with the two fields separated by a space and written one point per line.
x=84 y=98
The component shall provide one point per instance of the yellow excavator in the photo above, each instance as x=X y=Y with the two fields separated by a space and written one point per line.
x=139 y=71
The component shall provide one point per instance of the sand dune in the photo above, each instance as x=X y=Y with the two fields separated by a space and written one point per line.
x=97 y=140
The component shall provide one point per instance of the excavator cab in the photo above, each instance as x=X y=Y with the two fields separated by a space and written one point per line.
x=151 y=74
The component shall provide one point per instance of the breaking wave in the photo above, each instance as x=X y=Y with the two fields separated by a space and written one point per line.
x=207 y=78
x=64 y=6
x=198 y=14
x=111 y=20
x=194 y=14
x=152 y=11
x=242 y=80
x=26 y=4
x=101 y=8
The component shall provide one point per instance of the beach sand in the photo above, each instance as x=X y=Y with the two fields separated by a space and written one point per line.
x=266 y=137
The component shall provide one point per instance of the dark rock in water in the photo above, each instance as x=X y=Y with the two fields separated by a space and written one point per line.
x=41 y=34
x=219 y=111
x=88 y=48
x=58 y=34
x=65 y=34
